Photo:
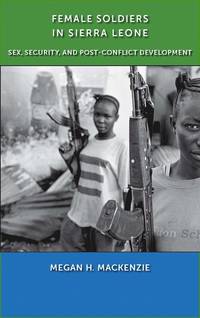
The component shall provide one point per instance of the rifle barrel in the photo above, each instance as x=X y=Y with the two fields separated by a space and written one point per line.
x=135 y=83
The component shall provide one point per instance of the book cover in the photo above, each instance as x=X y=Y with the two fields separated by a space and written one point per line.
x=98 y=42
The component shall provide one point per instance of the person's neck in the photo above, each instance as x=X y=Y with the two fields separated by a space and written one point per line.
x=104 y=137
x=179 y=170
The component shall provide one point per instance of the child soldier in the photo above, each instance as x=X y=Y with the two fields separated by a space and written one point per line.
x=176 y=198
x=104 y=174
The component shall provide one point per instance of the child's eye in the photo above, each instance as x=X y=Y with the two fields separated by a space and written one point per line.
x=193 y=127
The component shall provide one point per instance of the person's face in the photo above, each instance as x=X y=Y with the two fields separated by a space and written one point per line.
x=187 y=128
x=105 y=116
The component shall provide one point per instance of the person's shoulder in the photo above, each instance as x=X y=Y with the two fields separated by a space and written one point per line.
x=159 y=174
x=159 y=170
x=123 y=143
x=121 y=146
x=91 y=140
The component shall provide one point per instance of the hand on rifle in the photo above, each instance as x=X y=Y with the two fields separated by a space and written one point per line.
x=67 y=151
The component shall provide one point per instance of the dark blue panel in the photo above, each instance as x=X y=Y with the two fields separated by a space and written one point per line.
x=31 y=289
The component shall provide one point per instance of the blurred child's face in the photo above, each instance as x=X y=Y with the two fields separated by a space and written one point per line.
x=188 y=130
x=105 y=116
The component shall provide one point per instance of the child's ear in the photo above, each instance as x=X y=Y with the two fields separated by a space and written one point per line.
x=116 y=116
x=172 y=123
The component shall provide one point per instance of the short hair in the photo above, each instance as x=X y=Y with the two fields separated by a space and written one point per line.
x=185 y=87
x=98 y=98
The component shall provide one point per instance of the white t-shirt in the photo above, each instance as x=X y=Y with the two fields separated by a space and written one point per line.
x=104 y=173
x=176 y=212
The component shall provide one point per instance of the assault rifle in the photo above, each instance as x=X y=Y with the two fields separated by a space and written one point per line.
x=135 y=221
x=77 y=136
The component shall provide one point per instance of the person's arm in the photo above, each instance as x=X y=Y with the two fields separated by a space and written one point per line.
x=123 y=168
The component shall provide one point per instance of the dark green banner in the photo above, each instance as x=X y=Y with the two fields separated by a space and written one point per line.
x=105 y=32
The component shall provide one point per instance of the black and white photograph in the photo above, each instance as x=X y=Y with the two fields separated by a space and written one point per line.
x=100 y=158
